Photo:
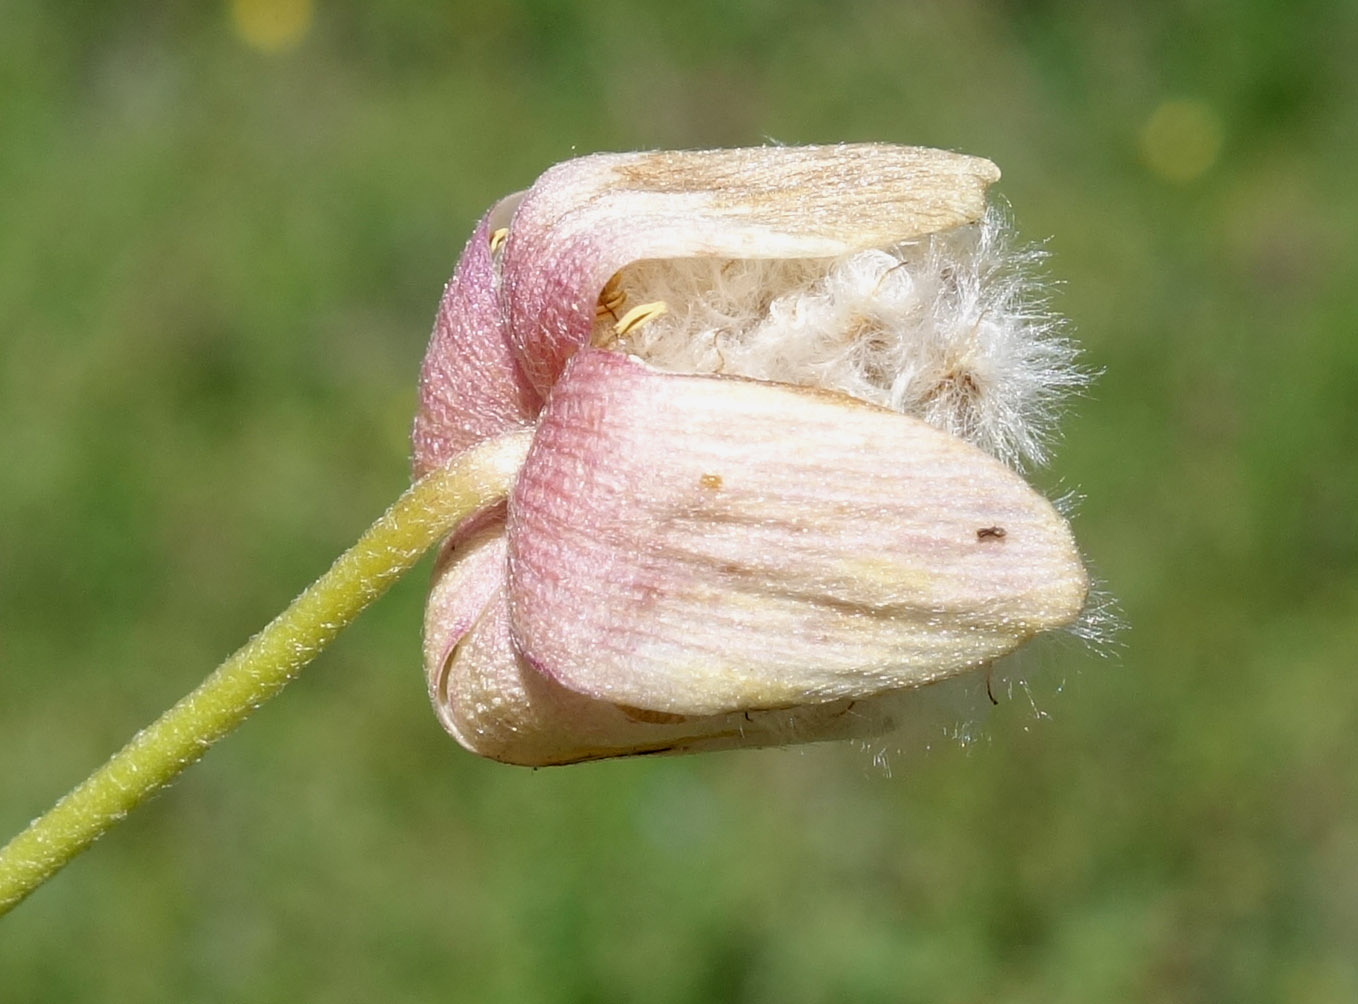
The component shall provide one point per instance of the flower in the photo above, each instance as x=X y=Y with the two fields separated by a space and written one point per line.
x=778 y=397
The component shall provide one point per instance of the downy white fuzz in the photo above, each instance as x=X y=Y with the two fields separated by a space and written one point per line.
x=953 y=328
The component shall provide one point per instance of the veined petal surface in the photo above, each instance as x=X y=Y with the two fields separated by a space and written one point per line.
x=497 y=705
x=702 y=545
x=471 y=385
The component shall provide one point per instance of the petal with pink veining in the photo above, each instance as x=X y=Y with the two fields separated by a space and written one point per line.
x=700 y=545
x=471 y=386
x=585 y=219
x=496 y=705
x=468 y=575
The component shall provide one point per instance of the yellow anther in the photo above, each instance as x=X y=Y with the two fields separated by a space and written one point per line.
x=497 y=239
x=639 y=315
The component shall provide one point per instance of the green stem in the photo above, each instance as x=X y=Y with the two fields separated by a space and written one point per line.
x=263 y=666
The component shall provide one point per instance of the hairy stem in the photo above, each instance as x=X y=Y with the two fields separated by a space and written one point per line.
x=263 y=666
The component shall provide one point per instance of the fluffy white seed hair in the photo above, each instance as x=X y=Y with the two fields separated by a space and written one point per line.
x=953 y=328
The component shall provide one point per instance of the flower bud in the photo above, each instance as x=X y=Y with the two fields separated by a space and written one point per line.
x=779 y=396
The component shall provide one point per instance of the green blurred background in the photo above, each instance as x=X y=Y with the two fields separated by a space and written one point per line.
x=223 y=232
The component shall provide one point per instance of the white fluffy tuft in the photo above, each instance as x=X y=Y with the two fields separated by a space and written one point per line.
x=953 y=328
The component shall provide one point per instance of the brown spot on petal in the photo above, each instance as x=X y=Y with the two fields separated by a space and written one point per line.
x=990 y=533
x=710 y=481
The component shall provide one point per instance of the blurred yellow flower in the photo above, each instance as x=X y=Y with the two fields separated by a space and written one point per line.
x=1181 y=140
x=271 y=25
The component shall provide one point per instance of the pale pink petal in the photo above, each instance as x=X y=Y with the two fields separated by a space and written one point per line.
x=471 y=386
x=469 y=573
x=697 y=545
x=496 y=705
x=585 y=219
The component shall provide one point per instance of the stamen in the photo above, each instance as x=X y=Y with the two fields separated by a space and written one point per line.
x=497 y=239
x=611 y=297
x=639 y=315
